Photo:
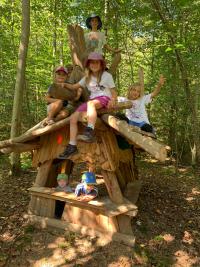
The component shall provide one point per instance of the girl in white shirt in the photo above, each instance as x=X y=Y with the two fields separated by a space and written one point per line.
x=102 y=94
x=137 y=115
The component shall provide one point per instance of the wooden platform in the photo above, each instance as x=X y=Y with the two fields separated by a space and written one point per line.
x=104 y=237
x=101 y=205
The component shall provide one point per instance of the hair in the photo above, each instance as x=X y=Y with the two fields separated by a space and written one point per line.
x=132 y=87
x=89 y=74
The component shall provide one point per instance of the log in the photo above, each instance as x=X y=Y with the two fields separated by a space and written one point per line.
x=117 y=107
x=77 y=44
x=30 y=135
x=20 y=147
x=59 y=92
x=112 y=186
x=42 y=174
x=154 y=148
x=35 y=133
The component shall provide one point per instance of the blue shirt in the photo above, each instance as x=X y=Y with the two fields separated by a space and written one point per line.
x=81 y=190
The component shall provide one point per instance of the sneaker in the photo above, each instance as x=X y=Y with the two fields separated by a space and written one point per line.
x=69 y=151
x=87 y=136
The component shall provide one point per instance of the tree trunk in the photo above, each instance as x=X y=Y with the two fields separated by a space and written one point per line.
x=195 y=142
x=20 y=80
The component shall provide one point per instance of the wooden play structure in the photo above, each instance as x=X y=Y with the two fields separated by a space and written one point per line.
x=110 y=214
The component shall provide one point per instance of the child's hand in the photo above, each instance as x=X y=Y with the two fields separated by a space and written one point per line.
x=85 y=198
x=162 y=80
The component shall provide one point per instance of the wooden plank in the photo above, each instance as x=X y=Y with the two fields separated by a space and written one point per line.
x=50 y=208
x=150 y=145
x=20 y=147
x=90 y=218
x=42 y=174
x=112 y=186
x=132 y=191
x=103 y=205
x=83 y=230
x=32 y=203
x=124 y=223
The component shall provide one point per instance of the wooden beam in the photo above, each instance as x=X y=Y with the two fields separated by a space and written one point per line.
x=117 y=107
x=150 y=145
x=112 y=186
x=20 y=147
x=42 y=174
x=35 y=133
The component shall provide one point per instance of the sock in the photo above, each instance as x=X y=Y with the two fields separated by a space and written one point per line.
x=73 y=143
x=90 y=125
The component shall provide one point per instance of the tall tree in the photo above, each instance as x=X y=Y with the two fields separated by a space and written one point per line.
x=20 y=82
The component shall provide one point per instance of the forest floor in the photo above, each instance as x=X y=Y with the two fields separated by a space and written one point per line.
x=166 y=227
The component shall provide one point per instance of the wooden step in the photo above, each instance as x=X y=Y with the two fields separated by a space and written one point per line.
x=102 y=205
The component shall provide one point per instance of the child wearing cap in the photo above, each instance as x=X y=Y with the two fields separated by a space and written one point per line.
x=62 y=180
x=95 y=41
x=58 y=109
x=101 y=86
x=86 y=190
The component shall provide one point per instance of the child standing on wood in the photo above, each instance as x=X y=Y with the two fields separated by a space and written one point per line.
x=95 y=41
x=102 y=94
x=137 y=115
x=86 y=190
x=58 y=109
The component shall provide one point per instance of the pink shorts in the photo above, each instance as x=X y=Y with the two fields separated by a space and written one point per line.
x=102 y=99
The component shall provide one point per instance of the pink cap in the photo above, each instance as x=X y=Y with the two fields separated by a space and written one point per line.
x=61 y=68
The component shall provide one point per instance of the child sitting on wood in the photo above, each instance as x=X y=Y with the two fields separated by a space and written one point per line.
x=103 y=94
x=86 y=190
x=58 y=109
x=137 y=115
x=62 y=180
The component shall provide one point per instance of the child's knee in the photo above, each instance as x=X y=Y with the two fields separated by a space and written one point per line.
x=74 y=118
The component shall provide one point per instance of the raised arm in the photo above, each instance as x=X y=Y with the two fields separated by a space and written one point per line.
x=161 y=82
x=107 y=47
x=113 y=100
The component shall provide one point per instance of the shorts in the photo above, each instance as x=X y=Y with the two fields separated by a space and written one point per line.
x=102 y=99
x=69 y=107
x=143 y=126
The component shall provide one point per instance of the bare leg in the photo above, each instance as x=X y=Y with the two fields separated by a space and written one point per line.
x=74 y=126
x=92 y=106
x=62 y=115
x=54 y=109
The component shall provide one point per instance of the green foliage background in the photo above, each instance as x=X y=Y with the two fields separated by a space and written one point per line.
x=136 y=27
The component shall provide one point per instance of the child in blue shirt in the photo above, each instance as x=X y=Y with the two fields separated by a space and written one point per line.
x=86 y=190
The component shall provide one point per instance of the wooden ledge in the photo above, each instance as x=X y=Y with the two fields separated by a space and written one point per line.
x=103 y=205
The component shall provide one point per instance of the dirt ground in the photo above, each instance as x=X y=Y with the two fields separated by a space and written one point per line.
x=166 y=227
